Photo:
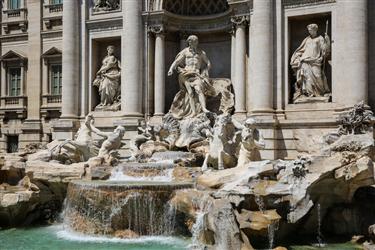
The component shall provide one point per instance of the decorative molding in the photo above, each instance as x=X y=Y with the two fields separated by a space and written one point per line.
x=157 y=29
x=289 y=4
x=104 y=6
x=240 y=20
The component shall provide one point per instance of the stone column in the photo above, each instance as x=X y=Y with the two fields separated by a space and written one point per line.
x=159 y=71
x=70 y=60
x=233 y=55
x=131 y=80
x=350 y=69
x=240 y=66
x=151 y=76
x=261 y=57
x=4 y=79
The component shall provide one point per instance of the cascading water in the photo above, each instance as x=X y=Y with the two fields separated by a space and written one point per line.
x=129 y=209
x=199 y=226
x=319 y=237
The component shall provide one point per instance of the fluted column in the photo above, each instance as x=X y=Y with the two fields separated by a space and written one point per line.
x=159 y=71
x=261 y=57
x=240 y=66
x=350 y=70
x=131 y=78
x=70 y=60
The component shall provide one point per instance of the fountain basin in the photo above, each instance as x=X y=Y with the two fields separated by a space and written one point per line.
x=124 y=209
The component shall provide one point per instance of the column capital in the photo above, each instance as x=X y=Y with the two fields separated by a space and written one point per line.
x=157 y=29
x=240 y=20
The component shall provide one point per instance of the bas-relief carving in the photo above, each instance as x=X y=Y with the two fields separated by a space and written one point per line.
x=106 y=5
x=308 y=63
x=108 y=82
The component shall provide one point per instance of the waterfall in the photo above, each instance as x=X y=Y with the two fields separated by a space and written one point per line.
x=198 y=227
x=134 y=209
x=319 y=237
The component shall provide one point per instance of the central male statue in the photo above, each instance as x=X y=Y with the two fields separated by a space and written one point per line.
x=192 y=65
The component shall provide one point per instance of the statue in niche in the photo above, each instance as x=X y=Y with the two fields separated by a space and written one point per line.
x=308 y=63
x=108 y=82
x=106 y=5
x=192 y=65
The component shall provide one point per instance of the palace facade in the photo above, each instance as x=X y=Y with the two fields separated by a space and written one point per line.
x=52 y=50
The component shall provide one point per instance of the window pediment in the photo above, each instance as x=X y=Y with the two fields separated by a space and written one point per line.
x=52 y=52
x=12 y=55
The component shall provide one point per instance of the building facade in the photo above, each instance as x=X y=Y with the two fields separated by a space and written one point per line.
x=53 y=52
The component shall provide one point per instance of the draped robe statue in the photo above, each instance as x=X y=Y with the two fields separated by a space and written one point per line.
x=108 y=82
x=308 y=63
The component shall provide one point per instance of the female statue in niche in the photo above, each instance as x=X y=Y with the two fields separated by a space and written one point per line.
x=308 y=63
x=108 y=81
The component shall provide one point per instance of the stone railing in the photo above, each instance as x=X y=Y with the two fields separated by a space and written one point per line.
x=52 y=15
x=13 y=101
x=51 y=101
x=53 y=8
x=14 y=17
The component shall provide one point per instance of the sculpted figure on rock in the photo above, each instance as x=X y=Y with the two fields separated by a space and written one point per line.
x=108 y=82
x=308 y=63
x=192 y=65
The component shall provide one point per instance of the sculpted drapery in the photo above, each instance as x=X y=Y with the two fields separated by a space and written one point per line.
x=108 y=80
x=308 y=64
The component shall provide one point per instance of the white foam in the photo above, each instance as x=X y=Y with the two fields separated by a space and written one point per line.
x=118 y=175
x=67 y=234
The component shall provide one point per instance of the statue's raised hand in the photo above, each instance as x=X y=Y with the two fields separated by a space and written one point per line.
x=170 y=72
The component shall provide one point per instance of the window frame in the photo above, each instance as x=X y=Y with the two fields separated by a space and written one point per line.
x=51 y=78
x=11 y=4
x=18 y=87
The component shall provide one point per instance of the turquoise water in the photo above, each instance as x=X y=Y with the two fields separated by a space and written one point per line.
x=344 y=246
x=55 y=237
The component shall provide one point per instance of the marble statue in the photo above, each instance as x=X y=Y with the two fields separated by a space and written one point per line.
x=112 y=142
x=251 y=141
x=108 y=81
x=223 y=140
x=105 y=5
x=308 y=63
x=81 y=148
x=192 y=65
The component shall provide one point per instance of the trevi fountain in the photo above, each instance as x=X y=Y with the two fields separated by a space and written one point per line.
x=196 y=180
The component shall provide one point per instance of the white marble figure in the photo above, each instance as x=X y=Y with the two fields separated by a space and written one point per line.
x=308 y=63
x=81 y=148
x=112 y=142
x=251 y=141
x=223 y=141
x=108 y=81
x=192 y=65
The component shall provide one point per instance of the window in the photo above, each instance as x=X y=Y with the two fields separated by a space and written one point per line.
x=14 y=4
x=12 y=143
x=56 y=1
x=56 y=79
x=14 y=81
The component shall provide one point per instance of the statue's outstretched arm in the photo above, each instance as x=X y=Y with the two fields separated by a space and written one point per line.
x=98 y=131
